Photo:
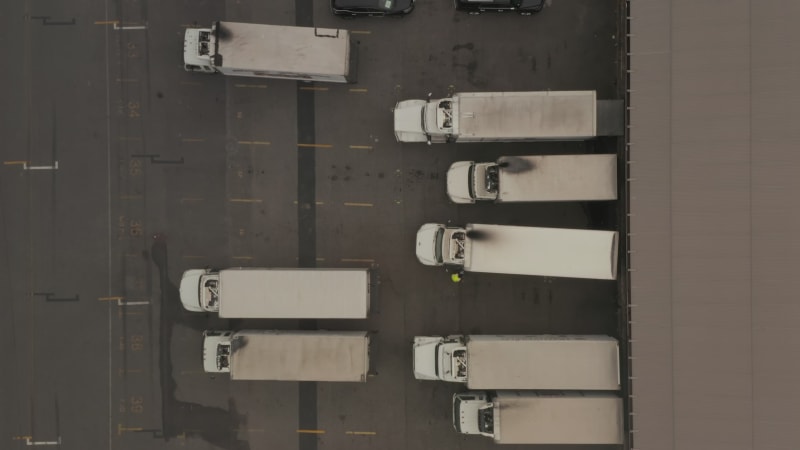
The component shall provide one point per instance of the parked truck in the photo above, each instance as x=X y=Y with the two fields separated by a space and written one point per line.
x=526 y=417
x=507 y=116
x=551 y=252
x=534 y=179
x=271 y=51
x=287 y=355
x=520 y=362
x=258 y=293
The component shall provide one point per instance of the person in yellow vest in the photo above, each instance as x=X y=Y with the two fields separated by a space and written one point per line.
x=457 y=276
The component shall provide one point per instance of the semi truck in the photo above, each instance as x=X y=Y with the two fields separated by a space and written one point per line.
x=520 y=362
x=507 y=117
x=271 y=51
x=287 y=355
x=554 y=417
x=544 y=178
x=550 y=252
x=260 y=293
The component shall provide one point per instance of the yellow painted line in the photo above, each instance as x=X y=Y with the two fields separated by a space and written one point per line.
x=191 y=199
x=361 y=147
x=320 y=259
x=120 y=429
x=107 y=299
x=193 y=256
x=313 y=88
x=127 y=80
x=358 y=89
x=257 y=86
x=245 y=200
x=311 y=431
x=242 y=257
x=21 y=438
x=360 y=32
x=357 y=204
x=106 y=22
x=10 y=163
x=129 y=197
x=316 y=203
x=254 y=142
x=193 y=140
x=357 y=260
x=315 y=145
x=361 y=433
x=192 y=83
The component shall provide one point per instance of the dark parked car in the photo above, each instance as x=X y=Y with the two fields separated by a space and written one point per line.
x=523 y=7
x=357 y=8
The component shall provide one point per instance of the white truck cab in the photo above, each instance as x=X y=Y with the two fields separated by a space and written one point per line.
x=434 y=352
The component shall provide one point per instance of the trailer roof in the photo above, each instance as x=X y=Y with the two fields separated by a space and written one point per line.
x=300 y=355
x=557 y=178
x=545 y=115
x=570 y=418
x=290 y=49
x=294 y=293
x=555 y=252
x=546 y=362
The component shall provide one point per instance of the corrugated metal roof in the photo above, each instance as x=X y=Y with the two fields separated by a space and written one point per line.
x=714 y=161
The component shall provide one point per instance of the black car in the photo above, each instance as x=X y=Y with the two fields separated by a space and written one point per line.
x=356 y=8
x=523 y=7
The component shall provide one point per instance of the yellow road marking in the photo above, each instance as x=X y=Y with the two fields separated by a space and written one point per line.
x=254 y=142
x=106 y=22
x=120 y=429
x=106 y=299
x=313 y=88
x=361 y=147
x=315 y=145
x=361 y=433
x=245 y=200
x=9 y=163
x=360 y=32
x=357 y=260
x=356 y=204
x=316 y=203
x=311 y=431
x=358 y=89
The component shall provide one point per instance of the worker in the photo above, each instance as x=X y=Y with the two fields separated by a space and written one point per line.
x=457 y=276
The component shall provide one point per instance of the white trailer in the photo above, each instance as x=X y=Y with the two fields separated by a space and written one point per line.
x=544 y=178
x=565 y=362
x=258 y=293
x=498 y=117
x=271 y=51
x=555 y=417
x=288 y=355
x=550 y=252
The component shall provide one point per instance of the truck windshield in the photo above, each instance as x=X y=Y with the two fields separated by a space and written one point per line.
x=457 y=414
x=471 y=181
x=437 y=247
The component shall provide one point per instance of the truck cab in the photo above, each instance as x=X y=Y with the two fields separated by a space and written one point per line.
x=217 y=351
x=439 y=358
x=468 y=181
x=200 y=290
x=198 y=50
x=438 y=245
x=425 y=121
x=473 y=413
